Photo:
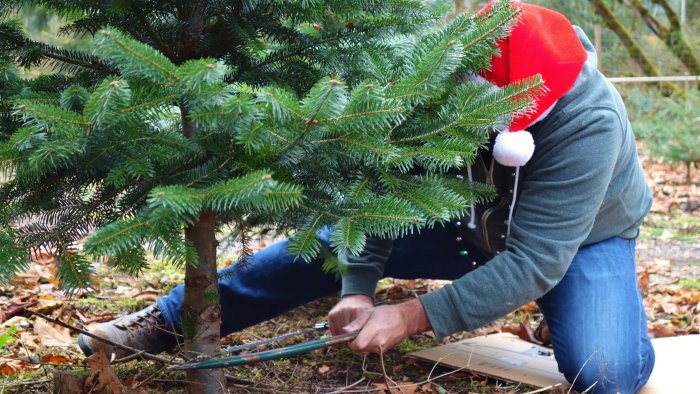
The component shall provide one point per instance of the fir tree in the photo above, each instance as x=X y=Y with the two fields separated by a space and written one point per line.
x=187 y=116
x=669 y=127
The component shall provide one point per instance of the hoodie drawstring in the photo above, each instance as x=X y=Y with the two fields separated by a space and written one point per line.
x=515 y=195
x=472 y=215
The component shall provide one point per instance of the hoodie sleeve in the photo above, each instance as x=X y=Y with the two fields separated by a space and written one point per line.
x=361 y=273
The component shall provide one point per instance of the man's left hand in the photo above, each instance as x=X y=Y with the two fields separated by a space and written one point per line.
x=384 y=326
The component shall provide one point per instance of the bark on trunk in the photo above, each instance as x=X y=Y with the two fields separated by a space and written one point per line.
x=633 y=49
x=201 y=310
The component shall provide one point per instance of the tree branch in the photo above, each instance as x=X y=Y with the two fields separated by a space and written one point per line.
x=159 y=44
x=671 y=35
x=94 y=64
x=670 y=13
x=633 y=49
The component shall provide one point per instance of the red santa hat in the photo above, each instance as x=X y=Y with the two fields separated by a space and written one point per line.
x=542 y=42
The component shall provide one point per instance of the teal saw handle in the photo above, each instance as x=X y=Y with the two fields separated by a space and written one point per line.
x=274 y=354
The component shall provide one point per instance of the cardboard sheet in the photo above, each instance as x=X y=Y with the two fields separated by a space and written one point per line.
x=503 y=356
x=508 y=357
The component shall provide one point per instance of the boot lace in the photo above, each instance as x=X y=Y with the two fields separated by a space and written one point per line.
x=149 y=320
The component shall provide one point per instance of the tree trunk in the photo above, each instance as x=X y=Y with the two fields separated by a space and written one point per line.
x=633 y=49
x=201 y=310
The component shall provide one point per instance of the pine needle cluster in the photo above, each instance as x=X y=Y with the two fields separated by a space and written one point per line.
x=300 y=114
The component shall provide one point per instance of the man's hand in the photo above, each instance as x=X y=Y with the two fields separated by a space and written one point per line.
x=383 y=327
x=347 y=310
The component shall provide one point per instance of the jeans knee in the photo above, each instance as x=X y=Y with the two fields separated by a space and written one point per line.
x=599 y=374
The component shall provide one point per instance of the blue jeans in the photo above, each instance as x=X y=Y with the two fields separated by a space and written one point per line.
x=595 y=314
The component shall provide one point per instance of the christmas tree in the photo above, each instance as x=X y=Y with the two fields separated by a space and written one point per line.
x=186 y=116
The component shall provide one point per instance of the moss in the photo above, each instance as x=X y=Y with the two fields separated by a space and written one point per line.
x=188 y=322
x=116 y=304
x=409 y=346
x=345 y=354
x=211 y=296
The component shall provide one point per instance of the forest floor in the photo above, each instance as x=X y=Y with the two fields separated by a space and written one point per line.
x=668 y=254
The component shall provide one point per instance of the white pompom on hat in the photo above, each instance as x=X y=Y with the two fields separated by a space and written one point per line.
x=513 y=149
x=542 y=42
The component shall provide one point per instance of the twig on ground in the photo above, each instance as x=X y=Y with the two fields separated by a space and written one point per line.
x=25 y=383
x=430 y=374
x=240 y=381
x=400 y=387
x=345 y=389
x=144 y=355
x=156 y=373
x=387 y=379
x=128 y=358
x=543 y=389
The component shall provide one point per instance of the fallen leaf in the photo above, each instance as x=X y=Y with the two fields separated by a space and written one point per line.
x=131 y=387
x=102 y=374
x=28 y=339
x=43 y=257
x=324 y=369
x=14 y=309
x=21 y=320
x=11 y=367
x=46 y=307
x=663 y=264
x=50 y=335
x=426 y=388
x=643 y=280
x=659 y=331
x=530 y=307
x=55 y=359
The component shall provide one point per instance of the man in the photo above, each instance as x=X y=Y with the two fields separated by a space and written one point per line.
x=571 y=197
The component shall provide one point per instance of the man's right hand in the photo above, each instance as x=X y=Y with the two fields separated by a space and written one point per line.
x=347 y=310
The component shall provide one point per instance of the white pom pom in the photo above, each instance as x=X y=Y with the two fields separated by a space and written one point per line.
x=513 y=149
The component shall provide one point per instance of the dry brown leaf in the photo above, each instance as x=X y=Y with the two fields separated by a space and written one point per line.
x=55 y=359
x=643 y=280
x=102 y=374
x=46 y=307
x=13 y=321
x=28 y=279
x=658 y=331
x=324 y=369
x=28 y=339
x=426 y=388
x=530 y=307
x=11 y=367
x=50 y=335
x=131 y=387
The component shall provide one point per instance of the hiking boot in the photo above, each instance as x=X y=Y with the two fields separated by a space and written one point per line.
x=143 y=330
